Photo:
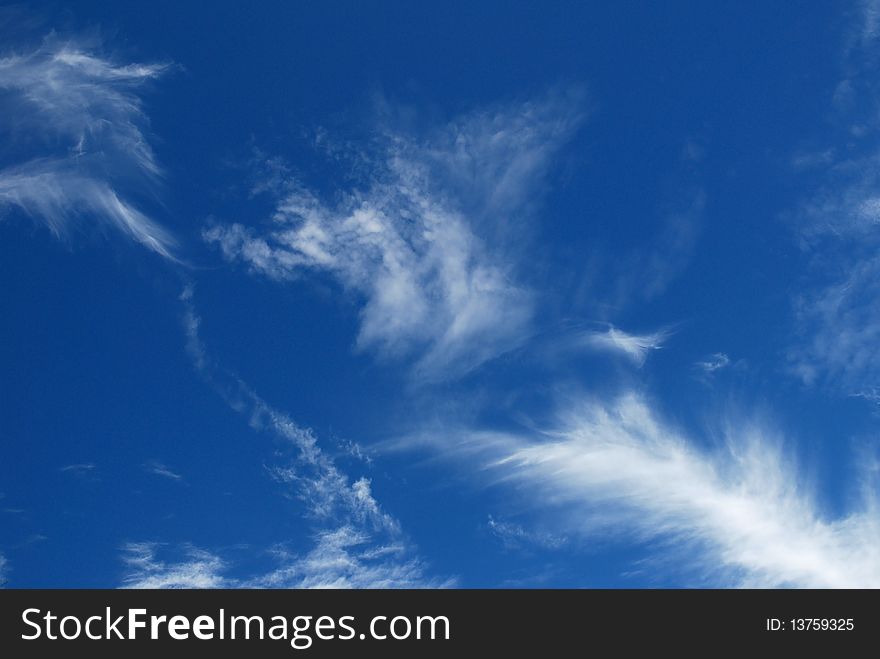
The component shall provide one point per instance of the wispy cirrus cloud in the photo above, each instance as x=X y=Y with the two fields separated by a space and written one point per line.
x=516 y=536
x=646 y=273
x=159 y=469
x=80 y=470
x=712 y=363
x=346 y=557
x=328 y=492
x=427 y=243
x=737 y=515
x=357 y=544
x=343 y=557
x=837 y=322
x=869 y=23
x=196 y=569
x=77 y=154
x=634 y=347
x=838 y=328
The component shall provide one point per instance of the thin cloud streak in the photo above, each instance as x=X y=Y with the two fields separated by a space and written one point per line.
x=634 y=347
x=82 y=469
x=647 y=273
x=158 y=469
x=328 y=492
x=357 y=544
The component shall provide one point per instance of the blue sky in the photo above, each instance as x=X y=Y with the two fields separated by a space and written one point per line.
x=462 y=294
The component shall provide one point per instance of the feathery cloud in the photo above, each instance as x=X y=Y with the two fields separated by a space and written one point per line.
x=346 y=557
x=837 y=316
x=712 y=363
x=738 y=515
x=837 y=322
x=198 y=568
x=343 y=557
x=635 y=347
x=426 y=245
x=75 y=122
x=839 y=330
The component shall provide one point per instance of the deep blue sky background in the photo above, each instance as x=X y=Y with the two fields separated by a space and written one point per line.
x=683 y=102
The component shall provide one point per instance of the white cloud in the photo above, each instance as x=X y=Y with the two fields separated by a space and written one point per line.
x=427 y=245
x=75 y=122
x=647 y=272
x=837 y=314
x=357 y=544
x=846 y=206
x=837 y=322
x=329 y=493
x=737 y=515
x=494 y=161
x=839 y=325
x=870 y=20
x=635 y=347
x=712 y=363
x=345 y=557
x=198 y=568
x=158 y=469
x=81 y=470
x=871 y=394
x=516 y=536
x=429 y=288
